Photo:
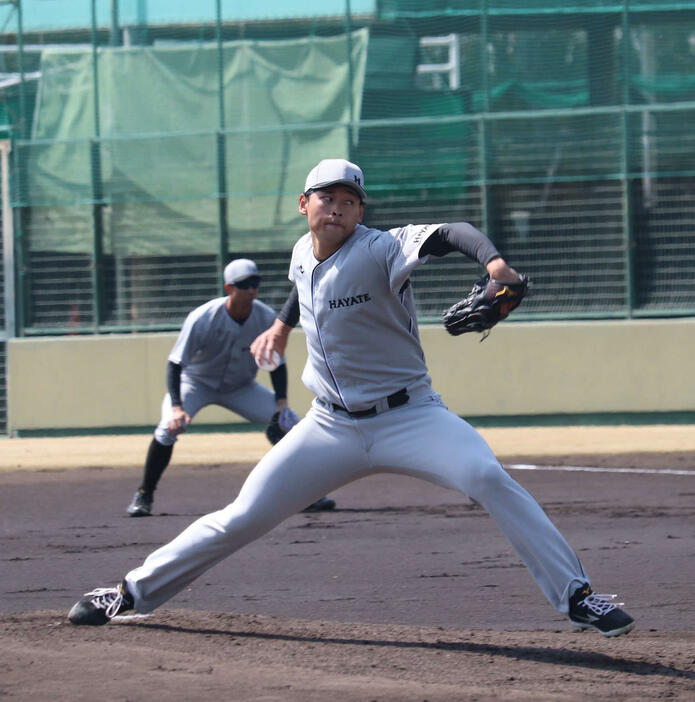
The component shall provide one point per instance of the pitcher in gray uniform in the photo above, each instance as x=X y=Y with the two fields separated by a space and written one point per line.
x=210 y=364
x=374 y=410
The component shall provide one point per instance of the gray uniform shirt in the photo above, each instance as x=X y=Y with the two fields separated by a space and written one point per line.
x=358 y=313
x=214 y=349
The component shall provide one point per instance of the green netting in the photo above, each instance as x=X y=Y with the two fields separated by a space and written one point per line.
x=435 y=8
x=560 y=129
x=269 y=88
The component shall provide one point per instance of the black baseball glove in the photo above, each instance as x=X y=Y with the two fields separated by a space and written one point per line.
x=486 y=304
x=280 y=423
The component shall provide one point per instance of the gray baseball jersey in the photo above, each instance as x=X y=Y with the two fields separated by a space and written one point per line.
x=353 y=307
x=214 y=349
x=218 y=368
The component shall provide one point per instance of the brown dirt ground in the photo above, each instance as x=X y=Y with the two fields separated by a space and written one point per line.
x=405 y=592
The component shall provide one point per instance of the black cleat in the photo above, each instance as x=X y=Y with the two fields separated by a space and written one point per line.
x=324 y=504
x=101 y=605
x=141 y=506
x=599 y=611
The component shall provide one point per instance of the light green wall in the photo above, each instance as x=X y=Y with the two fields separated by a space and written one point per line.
x=521 y=369
x=67 y=14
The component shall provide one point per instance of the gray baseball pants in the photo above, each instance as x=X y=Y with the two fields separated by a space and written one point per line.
x=328 y=449
x=252 y=401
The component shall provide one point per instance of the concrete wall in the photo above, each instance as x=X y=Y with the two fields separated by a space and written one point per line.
x=521 y=369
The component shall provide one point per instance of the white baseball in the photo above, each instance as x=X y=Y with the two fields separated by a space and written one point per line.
x=268 y=364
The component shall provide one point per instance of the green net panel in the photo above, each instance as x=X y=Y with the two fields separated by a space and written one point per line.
x=151 y=147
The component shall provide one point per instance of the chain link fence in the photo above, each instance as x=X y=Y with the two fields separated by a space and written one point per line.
x=149 y=148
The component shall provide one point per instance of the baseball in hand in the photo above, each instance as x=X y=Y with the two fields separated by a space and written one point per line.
x=268 y=364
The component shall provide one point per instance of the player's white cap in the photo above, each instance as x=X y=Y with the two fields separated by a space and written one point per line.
x=239 y=269
x=334 y=171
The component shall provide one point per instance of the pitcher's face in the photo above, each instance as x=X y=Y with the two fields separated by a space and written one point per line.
x=332 y=213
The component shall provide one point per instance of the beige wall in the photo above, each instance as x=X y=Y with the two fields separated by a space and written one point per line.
x=523 y=368
x=107 y=381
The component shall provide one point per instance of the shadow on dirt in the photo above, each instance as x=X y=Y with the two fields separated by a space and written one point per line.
x=559 y=656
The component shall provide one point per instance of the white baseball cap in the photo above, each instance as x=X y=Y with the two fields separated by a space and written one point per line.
x=240 y=269
x=334 y=171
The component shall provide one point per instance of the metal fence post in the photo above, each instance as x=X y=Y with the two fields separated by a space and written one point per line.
x=221 y=153
x=21 y=284
x=351 y=100
x=629 y=262
x=485 y=200
x=8 y=331
x=7 y=240
x=20 y=59
x=97 y=189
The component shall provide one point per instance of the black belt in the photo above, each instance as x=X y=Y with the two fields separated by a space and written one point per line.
x=396 y=400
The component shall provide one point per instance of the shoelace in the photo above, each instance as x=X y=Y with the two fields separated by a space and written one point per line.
x=600 y=604
x=109 y=599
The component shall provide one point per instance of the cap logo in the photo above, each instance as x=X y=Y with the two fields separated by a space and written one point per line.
x=357 y=179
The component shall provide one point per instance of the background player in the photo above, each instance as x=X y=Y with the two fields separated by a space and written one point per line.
x=374 y=411
x=210 y=364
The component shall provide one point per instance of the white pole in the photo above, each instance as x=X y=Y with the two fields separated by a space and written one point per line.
x=7 y=239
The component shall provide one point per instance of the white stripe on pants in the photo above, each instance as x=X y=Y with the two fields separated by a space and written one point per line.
x=329 y=449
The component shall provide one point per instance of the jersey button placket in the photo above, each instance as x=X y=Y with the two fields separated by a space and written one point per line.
x=319 y=313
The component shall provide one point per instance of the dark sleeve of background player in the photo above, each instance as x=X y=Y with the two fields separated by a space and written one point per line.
x=289 y=314
x=463 y=237
x=278 y=378
x=174 y=382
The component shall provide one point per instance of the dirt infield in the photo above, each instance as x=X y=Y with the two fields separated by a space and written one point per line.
x=405 y=592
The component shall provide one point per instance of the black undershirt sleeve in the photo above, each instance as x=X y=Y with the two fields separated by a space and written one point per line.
x=174 y=382
x=463 y=237
x=289 y=314
x=278 y=378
